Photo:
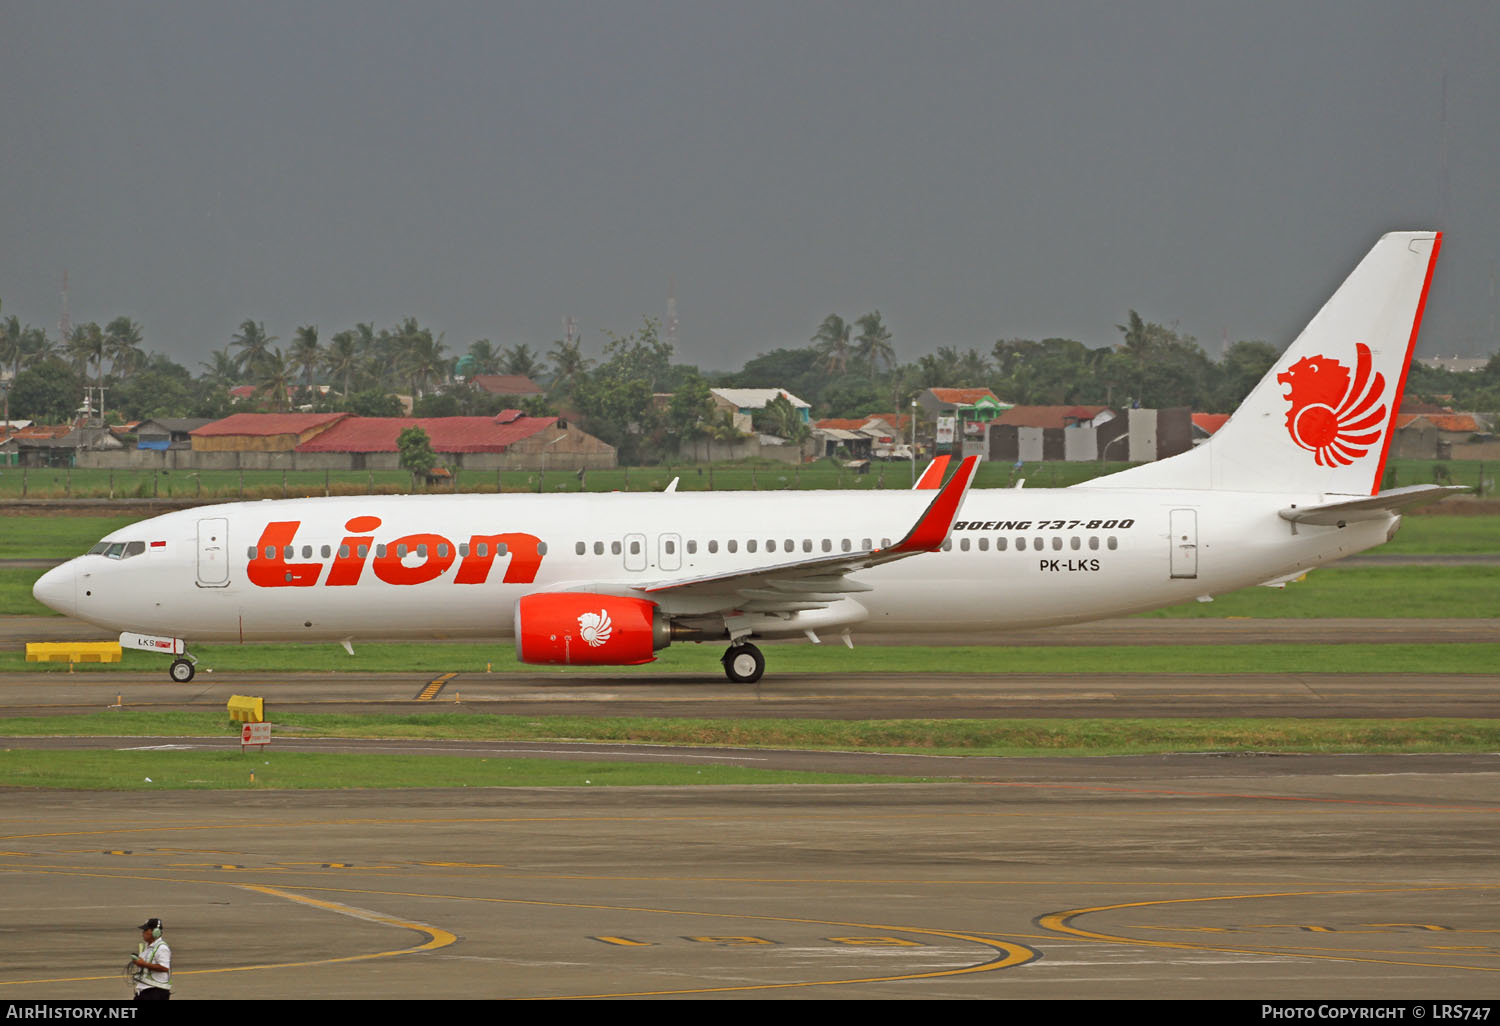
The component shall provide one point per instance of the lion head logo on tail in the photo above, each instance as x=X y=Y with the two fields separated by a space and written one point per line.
x=1334 y=418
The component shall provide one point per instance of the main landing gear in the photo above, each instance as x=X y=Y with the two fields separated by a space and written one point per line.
x=743 y=664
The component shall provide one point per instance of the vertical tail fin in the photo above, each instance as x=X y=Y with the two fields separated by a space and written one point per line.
x=1322 y=418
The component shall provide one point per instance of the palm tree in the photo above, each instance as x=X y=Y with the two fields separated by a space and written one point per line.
x=519 y=359
x=36 y=346
x=221 y=371
x=1138 y=346
x=832 y=341
x=273 y=377
x=420 y=356
x=568 y=366
x=87 y=346
x=482 y=358
x=12 y=343
x=253 y=344
x=341 y=358
x=122 y=344
x=306 y=356
x=873 y=343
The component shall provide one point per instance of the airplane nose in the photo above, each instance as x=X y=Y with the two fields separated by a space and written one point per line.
x=58 y=588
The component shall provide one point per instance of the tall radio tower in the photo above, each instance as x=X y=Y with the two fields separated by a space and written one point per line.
x=570 y=329
x=671 y=338
x=64 y=325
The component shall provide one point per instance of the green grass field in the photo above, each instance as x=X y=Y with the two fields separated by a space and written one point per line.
x=271 y=770
x=988 y=737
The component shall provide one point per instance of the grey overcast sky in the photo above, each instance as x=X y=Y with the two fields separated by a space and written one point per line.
x=973 y=170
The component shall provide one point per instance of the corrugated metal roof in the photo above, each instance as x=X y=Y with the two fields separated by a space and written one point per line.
x=962 y=396
x=175 y=424
x=266 y=424
x=447 y=434
x=756 y=398
x=1048 y=416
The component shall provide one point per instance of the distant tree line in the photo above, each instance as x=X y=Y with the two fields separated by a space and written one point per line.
x=635 y=395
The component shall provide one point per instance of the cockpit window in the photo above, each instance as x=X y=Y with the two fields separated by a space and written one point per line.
x=118 y=550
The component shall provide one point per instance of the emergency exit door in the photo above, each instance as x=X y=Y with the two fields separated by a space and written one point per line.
x=1184 y=541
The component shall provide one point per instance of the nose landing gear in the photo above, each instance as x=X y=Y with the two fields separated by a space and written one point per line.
x=182 y=668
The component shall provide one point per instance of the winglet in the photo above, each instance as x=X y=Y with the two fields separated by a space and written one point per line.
x=932 y=477
x=932 y=528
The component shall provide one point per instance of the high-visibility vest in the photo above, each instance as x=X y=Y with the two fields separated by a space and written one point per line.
x=147 y=976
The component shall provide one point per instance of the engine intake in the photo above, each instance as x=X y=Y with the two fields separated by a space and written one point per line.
x=581 y=629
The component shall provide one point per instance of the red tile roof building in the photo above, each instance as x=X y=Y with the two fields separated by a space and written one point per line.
x=262 y=432
x=1209 y=423
x=447 y=434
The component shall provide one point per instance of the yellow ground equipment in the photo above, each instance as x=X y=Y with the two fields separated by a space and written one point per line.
x=73 y=652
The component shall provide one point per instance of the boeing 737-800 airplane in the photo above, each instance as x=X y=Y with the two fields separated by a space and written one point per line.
x=1289 y=483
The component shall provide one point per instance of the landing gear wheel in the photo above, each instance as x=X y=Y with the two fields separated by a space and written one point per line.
x=743 y=664
x=181 y=671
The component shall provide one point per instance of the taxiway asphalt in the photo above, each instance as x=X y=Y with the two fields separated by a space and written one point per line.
x=1357 y=878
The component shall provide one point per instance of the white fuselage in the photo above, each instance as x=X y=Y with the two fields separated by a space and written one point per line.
x=1015 y=558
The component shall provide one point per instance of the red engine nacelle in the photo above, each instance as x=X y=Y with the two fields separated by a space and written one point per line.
x=580 y=629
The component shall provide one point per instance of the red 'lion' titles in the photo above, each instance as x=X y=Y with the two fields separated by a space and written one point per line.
x=273 y=567
x=1334 y=419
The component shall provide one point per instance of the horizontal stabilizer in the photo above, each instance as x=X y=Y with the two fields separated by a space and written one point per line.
x=1337 y=514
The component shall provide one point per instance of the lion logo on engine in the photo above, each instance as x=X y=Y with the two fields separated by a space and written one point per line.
x=595 y=628
x=1332 y=417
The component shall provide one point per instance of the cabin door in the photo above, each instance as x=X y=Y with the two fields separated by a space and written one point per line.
x=213 y=552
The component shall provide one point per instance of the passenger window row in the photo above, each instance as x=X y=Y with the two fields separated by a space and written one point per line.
x=1037 y=544
x=482 y=550
x=789 y=545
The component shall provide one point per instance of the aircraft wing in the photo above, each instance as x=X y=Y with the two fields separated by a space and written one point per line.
x=820 y=581
x=1337 y=514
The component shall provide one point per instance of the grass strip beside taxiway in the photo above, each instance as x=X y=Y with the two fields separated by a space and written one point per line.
x=278 y=770
x=988 y=737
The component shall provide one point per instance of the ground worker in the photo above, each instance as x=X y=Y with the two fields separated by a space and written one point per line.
x=153 y=964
